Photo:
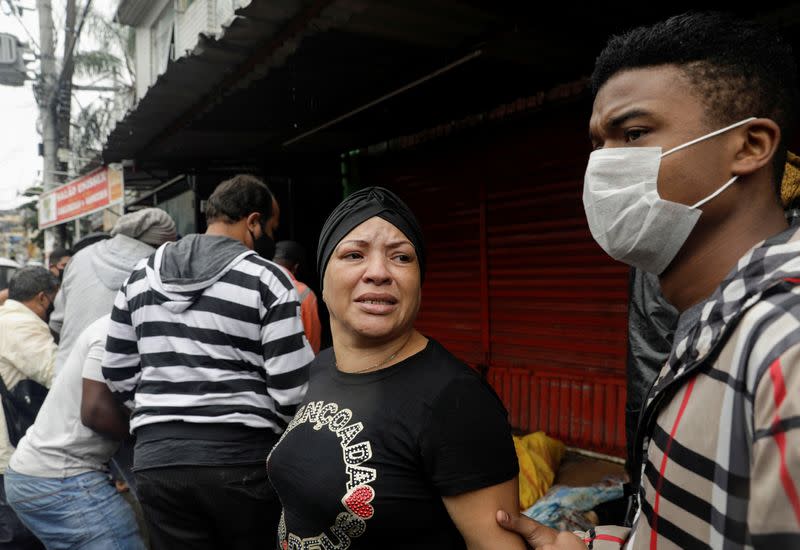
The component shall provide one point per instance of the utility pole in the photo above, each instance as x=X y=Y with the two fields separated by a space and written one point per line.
x=63 y=97
x=62 y=100
x=48 y=77
x=55 y=99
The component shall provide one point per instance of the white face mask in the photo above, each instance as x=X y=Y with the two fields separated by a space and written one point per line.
x=626 y=216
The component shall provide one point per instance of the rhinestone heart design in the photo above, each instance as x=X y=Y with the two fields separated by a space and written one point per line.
x=358 y=501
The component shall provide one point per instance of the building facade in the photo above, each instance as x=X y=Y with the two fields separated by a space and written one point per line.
x=169 y=29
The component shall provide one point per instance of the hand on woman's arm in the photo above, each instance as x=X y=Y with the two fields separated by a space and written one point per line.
x=538 y=536
x=474 y=515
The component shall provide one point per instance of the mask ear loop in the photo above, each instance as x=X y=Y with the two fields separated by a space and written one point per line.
x=709 y=136
x=705 y=137
x=715 y=193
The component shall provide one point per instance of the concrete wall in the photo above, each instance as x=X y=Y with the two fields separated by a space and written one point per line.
x=142 y=61
x=190 y=24
x=201 y=17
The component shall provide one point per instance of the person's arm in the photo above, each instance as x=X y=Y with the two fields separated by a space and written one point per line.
x=121 y=365
x=286 y=353
x=100 y=411
x=773 y=518
x=473 y=513
x=469 y=456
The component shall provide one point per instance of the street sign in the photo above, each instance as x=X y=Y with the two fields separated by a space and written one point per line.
x=90 y=193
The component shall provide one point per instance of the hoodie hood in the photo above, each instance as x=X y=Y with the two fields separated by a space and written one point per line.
x=179 y=272
x=113 y=259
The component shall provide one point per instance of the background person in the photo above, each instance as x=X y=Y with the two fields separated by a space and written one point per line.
x=57 y=480
x=206 y=347
x=58 y=260
x=96 y=273
x=27 y=351
x=292 y=256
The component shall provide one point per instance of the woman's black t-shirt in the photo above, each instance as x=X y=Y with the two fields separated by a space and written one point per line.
x=367 y=458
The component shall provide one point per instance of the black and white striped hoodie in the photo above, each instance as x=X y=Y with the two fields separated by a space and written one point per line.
x=205 y=331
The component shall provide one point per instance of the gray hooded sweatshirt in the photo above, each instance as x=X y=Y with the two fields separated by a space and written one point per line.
x=91 y=281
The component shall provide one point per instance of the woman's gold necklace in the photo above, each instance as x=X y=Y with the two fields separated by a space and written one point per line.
x=380 y=364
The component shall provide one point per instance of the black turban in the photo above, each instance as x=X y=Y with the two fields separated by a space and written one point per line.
x=358 y=208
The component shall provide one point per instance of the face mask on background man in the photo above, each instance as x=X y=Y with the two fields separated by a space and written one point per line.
x=51 y=306
x=264 y=246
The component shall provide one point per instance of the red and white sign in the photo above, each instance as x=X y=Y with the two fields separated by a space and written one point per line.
x=95 y=191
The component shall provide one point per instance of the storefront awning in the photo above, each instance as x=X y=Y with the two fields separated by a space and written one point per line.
x=297 y=76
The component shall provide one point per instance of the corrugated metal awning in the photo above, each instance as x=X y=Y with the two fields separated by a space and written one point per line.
x=282 y=67
x=191 y=79
x=285 y=69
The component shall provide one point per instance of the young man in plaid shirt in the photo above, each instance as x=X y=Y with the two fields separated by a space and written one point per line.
x=690 y=123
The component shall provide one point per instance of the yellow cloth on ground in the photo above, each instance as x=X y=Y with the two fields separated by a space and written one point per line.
x=539 y=457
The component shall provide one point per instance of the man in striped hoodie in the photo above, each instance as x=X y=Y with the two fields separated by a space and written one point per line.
x=690 y=124
x=207 y=349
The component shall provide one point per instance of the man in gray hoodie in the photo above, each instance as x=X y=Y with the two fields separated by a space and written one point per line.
x=94 y=275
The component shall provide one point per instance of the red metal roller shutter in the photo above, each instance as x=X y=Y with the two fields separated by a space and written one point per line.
x=558 y=304
x=451 y=310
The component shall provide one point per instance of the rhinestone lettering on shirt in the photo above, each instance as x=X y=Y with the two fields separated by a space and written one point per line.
x=358 y=494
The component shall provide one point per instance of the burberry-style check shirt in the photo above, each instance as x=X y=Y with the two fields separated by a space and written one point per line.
x=719 y=439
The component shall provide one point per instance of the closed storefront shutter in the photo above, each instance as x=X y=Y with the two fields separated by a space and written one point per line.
x=515 y=282
x=558 y=304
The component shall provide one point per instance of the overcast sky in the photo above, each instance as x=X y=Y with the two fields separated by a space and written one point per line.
x=20 y=163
